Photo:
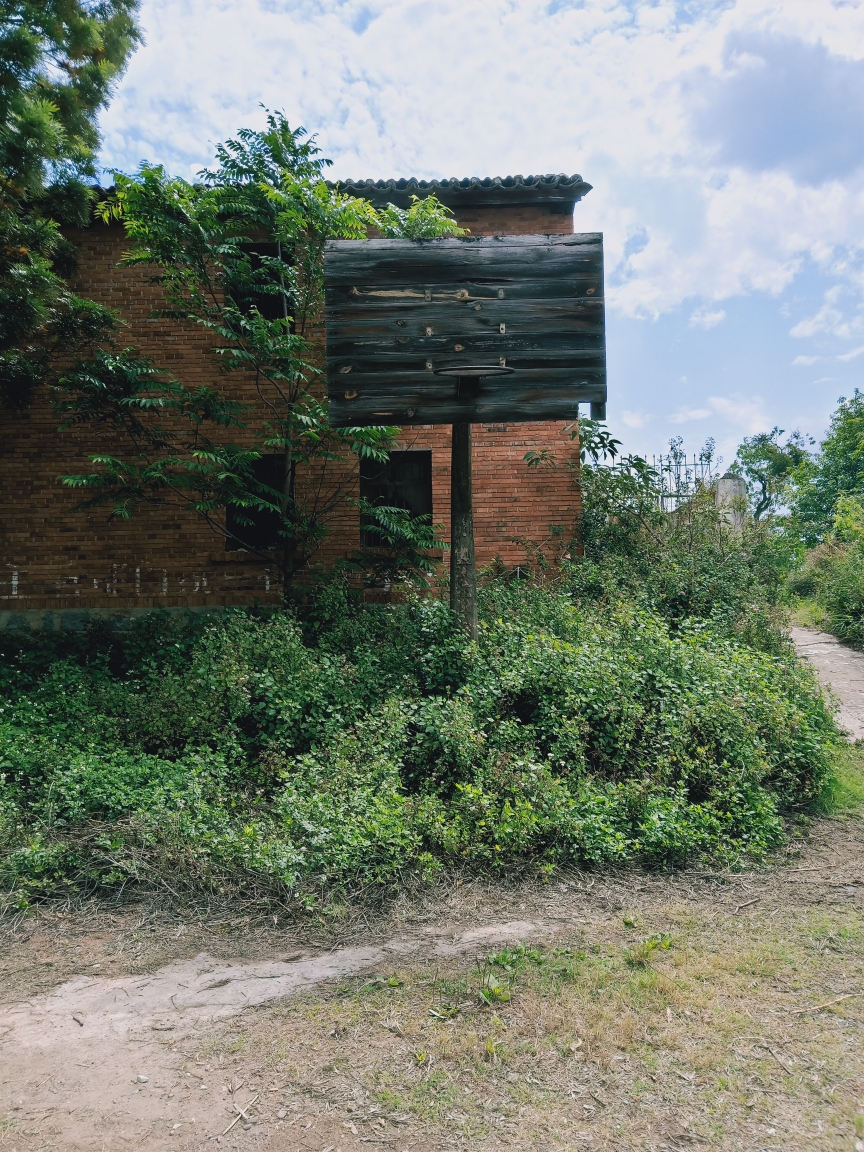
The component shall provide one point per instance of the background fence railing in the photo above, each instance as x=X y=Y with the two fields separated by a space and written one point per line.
x=680 y=476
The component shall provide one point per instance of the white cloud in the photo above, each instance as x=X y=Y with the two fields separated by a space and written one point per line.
x=607 y=88
x=831 y=318
x=634 y=419
x=805 y=360
x=688 y=414
x=705 y=319
x=853 y=354
x=745 y=415
x=748 y=415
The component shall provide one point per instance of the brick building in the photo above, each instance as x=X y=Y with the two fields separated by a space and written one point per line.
x=55 y=562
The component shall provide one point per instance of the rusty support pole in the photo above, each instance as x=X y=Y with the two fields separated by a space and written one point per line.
x=463 y=567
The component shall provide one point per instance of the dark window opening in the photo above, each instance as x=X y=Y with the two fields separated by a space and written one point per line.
x=405 y=481
x=271 y=305
x=261 y=533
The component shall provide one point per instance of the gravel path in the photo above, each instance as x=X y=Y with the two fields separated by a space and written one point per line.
x=839 y=668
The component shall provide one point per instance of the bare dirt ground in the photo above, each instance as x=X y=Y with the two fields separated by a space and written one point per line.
x=694 y=1010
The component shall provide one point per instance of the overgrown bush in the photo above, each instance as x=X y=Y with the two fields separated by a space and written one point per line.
x=685 y=564
x=278 y=750
x=827 y=514
x=833 y=576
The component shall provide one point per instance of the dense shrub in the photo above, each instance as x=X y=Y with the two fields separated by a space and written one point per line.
x=686 y=564
x=832 y=573
x=285 y=748
x=833 y=576
x=834 y=473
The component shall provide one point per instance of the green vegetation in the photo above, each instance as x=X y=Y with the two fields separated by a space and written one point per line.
x=843 y=791
x=827 y=516
x=768 y=467
x=239 y=255
x=832 y=578
x=835 y=471
x=59 y=60
x=599 y=718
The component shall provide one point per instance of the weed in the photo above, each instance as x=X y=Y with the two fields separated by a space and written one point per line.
x=642 y=953
x=512 y=959
x=492 y=991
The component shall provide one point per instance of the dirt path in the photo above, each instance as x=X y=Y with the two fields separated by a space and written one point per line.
x=721 y=1041
x=97 y=1060
x=841 y=669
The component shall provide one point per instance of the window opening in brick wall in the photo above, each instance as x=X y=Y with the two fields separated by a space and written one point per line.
x=262 y=533
x=405 y=481
x=271 y=305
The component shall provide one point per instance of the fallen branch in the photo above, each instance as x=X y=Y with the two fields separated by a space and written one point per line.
x=241 y=1114
x=827 y=1004
x=746 y=904
x=768 y=1048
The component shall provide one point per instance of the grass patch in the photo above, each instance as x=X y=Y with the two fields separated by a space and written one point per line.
x=704 y=1044
x=843 y=791
x=808 y=613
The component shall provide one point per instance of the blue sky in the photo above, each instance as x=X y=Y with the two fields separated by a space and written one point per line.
x=724 y=142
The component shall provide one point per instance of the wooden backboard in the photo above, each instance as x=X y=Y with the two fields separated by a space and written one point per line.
x=399 y=310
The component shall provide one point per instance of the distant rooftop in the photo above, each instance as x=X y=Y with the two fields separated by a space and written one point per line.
x=473 y=191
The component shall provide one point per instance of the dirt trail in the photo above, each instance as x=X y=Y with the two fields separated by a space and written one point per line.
x=206 y=1031
x=839 y=668
x=99 y=1061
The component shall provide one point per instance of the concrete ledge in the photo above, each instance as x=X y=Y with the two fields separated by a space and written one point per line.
x=77 y=619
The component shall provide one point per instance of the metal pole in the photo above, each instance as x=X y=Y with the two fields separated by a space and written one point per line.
x=463 y=568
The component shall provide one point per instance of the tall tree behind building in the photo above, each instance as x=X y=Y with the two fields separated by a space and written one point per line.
x=59 y=62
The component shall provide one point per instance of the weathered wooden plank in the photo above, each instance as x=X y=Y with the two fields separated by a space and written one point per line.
x=350 y=262
x=399 y=310
x=343 y=255
x=539 y=405
x=592 y=368
x=412 y=296
x=411 y=404
x=548 y=239
x=453 y=346
x=418 y=309
x=361 y=344
x=529 y=379
x=416 y=319
x=493 y=268
x=412 y=393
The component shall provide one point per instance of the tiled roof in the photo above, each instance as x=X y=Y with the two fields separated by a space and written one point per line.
x=472 y=190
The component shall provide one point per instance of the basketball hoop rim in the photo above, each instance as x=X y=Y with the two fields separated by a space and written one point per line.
x=476 y=370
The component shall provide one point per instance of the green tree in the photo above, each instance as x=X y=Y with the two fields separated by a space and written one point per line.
x=835 y=471
x=239 y=254
x=768 y=467
x=422 y=220
x=59 y=61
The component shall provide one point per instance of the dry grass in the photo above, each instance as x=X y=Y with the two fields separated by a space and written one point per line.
x=591 y=1040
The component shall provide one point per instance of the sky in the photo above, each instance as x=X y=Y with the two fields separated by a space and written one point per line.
x=724 y=142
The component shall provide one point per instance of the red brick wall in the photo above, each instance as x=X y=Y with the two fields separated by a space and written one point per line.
x=54 y=558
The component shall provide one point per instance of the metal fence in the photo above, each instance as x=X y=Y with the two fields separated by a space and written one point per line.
x=681 y=476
